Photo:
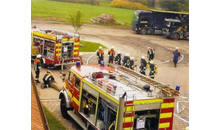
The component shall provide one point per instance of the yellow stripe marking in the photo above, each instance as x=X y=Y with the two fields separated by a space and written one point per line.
x=58 y=49
x=59 y=54
x=58 y=44
x=75 y=53
x=76 y=43
x=165 y=115
x=44 y=35
x=75 y=100
x=65 y=39
x=128 y=119
x=128 y=109
x=130 y=128
x=164 y=125
x=76 y=48
x=147 y=101
x=167 y=105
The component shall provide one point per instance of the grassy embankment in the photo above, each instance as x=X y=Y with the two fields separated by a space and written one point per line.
x=59 y=11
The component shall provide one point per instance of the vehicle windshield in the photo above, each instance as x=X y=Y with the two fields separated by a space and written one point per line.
x=135 y=17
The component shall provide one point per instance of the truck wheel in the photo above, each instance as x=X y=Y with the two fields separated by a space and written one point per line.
x=148 y=31
x=176 y=36
x=143 y=31
x=63 y=108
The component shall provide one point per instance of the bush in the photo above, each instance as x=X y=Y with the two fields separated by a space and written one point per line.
x=128 y=5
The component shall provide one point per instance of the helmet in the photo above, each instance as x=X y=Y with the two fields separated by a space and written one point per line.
x=148 y=48
x=39 y=56
x=100 y=47
x=48 y=71
x=119 y=52
x=151 y=62
x=80 y=54
x=176 y=47
x=132 y=58
x=142 y=57
x=112 y=47
x=126 y=54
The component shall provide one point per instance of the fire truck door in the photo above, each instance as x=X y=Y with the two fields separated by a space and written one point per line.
x=73 y=90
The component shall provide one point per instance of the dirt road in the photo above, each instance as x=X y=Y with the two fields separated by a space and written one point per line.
x=126 y=41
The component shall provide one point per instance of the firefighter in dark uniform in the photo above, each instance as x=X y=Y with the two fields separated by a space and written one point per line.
x=125 y=59
x=100 y=55
x=118 y=58
x=127 y=62
x=37 y=67
x=176 y=54
x=111 y=55
x=153 y=69
x=150 y=52
x=48 y=77
x=143 y=65
x=132 y=63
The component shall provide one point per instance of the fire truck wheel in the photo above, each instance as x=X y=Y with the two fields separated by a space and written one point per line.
x=176 y=36
x=63 y=108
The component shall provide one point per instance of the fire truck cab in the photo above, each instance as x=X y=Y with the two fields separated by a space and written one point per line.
x=103 y=98
x=56 y=47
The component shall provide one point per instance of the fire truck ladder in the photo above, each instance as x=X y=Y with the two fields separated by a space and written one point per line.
x=165 y=89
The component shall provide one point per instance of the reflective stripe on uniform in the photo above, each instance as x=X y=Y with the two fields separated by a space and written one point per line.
x=47 y=77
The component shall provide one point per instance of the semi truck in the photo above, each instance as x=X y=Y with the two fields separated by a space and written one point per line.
x=116 y=98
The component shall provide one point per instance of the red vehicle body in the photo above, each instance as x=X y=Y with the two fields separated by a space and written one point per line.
x=56 y=47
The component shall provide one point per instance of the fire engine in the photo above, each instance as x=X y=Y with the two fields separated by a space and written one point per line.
x=116 y=98
x=57 y=47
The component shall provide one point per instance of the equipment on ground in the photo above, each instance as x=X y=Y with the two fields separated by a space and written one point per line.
x=151 y=22
x=117 y=98
x=56 y=47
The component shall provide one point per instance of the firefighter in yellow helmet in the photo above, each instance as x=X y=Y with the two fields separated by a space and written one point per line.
x=153 y=69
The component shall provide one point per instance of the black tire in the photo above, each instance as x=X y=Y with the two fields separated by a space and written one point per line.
x=176 y=36
x=148 y=31
x=63 y=108
x=143 y=31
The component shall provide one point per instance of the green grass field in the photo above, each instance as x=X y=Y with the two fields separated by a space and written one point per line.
x=60 y=11
x=90 y=46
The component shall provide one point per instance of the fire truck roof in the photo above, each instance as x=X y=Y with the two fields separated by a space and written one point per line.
x=104 y=83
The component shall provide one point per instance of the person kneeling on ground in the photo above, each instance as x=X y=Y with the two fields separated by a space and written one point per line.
x=48 y=77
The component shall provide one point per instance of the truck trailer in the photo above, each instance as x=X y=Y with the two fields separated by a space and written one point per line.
x=151 y=22
x=116 y=98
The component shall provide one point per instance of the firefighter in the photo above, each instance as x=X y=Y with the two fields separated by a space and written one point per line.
x=118 y=58
x=100 y=55
x=111 y=55
x=48 y=77
x=80 y=58
x=152 y=69
x=125 y=59
x=37 y=67
x=176 y=54
x=132 y=63
x=150 y=52
x=127 y=62
x=143 y=65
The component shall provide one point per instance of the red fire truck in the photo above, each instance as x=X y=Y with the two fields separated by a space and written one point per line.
x=103 y=98
x=56 y=47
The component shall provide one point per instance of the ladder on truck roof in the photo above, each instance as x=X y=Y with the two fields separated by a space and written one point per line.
x=165 y=89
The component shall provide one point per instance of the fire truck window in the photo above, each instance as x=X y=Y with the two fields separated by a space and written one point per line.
x=77 y=83
x=70 y=78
